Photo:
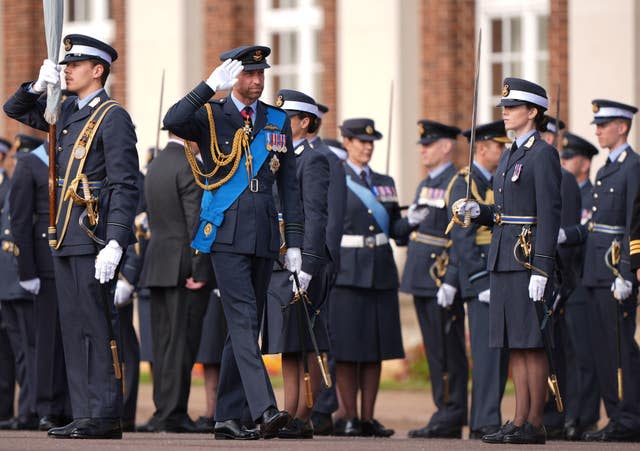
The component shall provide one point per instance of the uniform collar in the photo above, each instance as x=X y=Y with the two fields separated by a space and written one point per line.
x=439 y=170
x=520 y=140
x=82 y=103
x=615 y=153
x=485 y=173
x=358 y=169
x=240 y=106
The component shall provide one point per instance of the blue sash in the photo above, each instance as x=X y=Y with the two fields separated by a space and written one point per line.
x=216 y=202
x=41 y=153
x=369 y=200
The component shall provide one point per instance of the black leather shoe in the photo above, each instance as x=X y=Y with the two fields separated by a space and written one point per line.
x=373 y=428
x=338 y=427
x=50 y=421
x=296 y=429
x=231 y=430
x=437 y=431
x=153 y=425
x=9 y=424
x=613 y=432
x=272 y=420
x=180 y=425
x=352 y=428
x=498 y=436
x=322 y=423
x=573 y=431
x=99 y=428
x=528 y=434
x=65 y=431
x=477 y=434
x=204 y=424
x=554 y=433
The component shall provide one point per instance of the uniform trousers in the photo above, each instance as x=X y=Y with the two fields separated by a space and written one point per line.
x=602 y=311
x=130 y=355
x=582 y=402
x=489 y=371
x=144 y=323
x=93 y=388
x=430 y=317
x=176 y=326
x=18 y=316
x=7 y=372
x=243 y=281
x=52 y=394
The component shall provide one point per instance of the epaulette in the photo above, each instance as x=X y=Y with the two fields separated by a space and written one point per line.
x=464 y=171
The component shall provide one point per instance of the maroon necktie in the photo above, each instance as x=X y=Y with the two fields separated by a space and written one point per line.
x=246 y=115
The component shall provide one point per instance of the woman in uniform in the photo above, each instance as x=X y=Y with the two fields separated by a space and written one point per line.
x=364 y=312
x=527 y=203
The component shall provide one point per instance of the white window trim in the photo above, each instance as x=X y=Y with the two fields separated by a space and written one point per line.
x=305 y=20
x=528 y=10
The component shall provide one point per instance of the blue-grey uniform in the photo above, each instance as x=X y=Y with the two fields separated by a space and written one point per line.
x=427 y=244
x=17 y=312
x=7 y=369
x=468 y=264
x=285 y=329
x=214 y=332
x=616 y=185
x=29 y=208
x=246 y=239
x=111 y=167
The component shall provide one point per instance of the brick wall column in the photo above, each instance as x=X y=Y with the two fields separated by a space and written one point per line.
x=119 y=70
x=558 y=35
x=328 y=53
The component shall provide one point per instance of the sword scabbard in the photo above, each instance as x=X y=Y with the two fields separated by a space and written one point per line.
x=620 y=389
x=116 y=361
x=307 y=390
x=552 y=380
x=324 y=369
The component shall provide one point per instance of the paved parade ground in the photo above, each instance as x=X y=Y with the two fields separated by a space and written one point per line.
x=398 y=409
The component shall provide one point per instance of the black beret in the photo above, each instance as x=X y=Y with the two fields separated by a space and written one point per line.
x=607 y=110
x=573 y=145
x=79 y=47
x=516 y=91
x=252 y=57
x=430 y=131
x=492 y=131
x=363 y=129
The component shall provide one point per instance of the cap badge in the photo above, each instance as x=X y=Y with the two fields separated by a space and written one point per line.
x=368 y=130
x=279 y=101
x=208 y=229
x=505 y=90
x=67 y=45
x=595 y=107
x=258 y=55
x=420 y=129
x=565 y=142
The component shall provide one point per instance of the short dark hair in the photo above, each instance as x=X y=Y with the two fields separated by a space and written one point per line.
x=106 y=70
x=540 y=120
x=313 y=121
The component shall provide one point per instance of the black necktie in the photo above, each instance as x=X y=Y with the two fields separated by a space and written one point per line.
x=363 y=176
x=514 y=146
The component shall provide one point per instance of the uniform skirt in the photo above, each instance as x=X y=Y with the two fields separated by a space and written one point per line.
x=365 y=325
x=214 y=333
x=513 y=322
x=285 y=325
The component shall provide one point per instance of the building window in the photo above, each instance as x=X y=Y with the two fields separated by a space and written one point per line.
x=291 y=28
x=515 y=44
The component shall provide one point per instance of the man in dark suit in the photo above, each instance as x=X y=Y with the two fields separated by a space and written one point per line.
x=177 y=279
x=98 y=160
x=612 y=216
x=29 y=207
x=239 y=223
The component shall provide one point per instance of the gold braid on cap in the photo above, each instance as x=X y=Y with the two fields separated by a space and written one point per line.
x=220 y=159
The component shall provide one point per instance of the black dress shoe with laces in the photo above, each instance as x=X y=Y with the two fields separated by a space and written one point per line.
x=373 y=428
x=65 y=431
x=180 y=425
x=499 y=435
x=232 y=430
x=528 y=434
x=352 y=428
x=338 y=427
x=437 y=431
x=272 y=420
x=296 y=429
x=49 y=422
x=205 y=424
x=613 y=432
x=98 y=428
x=477 y=434
x=322 y=423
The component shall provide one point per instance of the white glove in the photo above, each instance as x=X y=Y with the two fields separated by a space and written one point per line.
x=621 y=288
x=416 y=214
x=49 y=74
x=293 y=259
x=562 y=236
x=484 y=296
x=123 y=293
x=31 y=285
x=225 y=75
x=470 y=206
x=536 y=286
x=446 y=294
x=107 y=261
x=304 y=279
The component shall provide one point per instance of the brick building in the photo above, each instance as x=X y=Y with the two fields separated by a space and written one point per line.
x=410 y=58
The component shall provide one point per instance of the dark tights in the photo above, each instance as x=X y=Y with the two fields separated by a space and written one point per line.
x=352 y=376
x=295 y=396
x=529 y=368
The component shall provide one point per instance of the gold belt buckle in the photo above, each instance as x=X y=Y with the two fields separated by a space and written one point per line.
x=370 y=242
x=253 y=185
x=590 y=226
x=497 y=218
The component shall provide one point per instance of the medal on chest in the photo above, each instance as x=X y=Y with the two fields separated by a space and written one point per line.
x=517 y=170
x=274 y=163
x=433 y=197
